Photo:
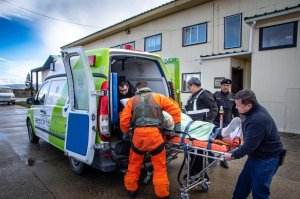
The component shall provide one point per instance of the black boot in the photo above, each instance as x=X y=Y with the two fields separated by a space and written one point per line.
x=131 y=194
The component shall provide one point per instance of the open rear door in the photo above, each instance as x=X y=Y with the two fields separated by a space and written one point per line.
x=81 y=122
x=173 y=68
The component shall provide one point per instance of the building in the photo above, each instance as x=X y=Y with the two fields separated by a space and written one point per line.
x=252 y=42
x=43 y=70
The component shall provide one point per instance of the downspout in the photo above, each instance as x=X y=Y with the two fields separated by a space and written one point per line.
x=251 y=35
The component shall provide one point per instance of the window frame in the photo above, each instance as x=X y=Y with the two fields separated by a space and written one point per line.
x=155 y=50
x=294 y=44
x=241 y=32
x=187 y=77
x=196 y=43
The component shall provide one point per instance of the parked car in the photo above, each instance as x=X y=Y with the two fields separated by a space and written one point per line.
x=76 y=108
x=7 y=95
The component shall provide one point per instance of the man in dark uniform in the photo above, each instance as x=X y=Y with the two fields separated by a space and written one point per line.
x=200 y=106
x=225 y=99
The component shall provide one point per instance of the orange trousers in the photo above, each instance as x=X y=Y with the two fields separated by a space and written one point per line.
x=160 y=176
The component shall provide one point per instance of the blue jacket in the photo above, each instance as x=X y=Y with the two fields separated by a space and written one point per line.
x=261 y=137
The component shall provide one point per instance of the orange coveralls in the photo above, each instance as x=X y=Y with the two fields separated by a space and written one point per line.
x=148 y=139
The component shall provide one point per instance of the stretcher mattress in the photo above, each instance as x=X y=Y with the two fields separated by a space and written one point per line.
x=221 y=146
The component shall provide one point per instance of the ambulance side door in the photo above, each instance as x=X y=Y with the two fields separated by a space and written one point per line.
x=41 y=121
x=81 y=117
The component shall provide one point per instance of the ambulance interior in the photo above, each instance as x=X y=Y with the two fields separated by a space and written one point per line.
x=133 y=69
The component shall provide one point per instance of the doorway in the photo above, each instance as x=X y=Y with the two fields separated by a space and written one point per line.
x=237 y=79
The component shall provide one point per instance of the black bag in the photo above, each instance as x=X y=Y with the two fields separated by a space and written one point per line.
x=123 y=147
x=282 y=157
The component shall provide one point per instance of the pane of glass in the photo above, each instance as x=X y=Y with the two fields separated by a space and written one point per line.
x=187 y=36
x=202 y=33
x=194 y=34
x=56 y=92
x=43 y=93
x=278 y=35
x=81 y=89
x=233 y=31
x=158 y=42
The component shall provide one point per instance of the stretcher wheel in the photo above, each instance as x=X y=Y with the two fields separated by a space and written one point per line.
x=184 y=196
x=204 y=186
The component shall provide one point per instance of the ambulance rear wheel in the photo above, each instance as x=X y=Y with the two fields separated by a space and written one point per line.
x=32 y=137
x=77 y=166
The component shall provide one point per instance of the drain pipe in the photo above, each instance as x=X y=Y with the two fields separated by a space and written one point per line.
x=251 y=35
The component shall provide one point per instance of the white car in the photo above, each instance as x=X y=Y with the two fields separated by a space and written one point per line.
x=7 y=95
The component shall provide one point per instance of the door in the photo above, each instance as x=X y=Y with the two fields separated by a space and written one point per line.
x=81 y=117
x=173 y=68
x=40 y=116
x=237 y=80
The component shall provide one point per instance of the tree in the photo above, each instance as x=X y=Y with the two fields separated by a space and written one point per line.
x=28 y=82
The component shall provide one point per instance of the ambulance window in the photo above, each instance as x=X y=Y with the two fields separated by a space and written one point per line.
x=42 y=94
x=58 y=93
x=80 y=83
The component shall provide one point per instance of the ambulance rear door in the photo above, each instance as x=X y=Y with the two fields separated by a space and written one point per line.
x=173 y=68
x=81 y=116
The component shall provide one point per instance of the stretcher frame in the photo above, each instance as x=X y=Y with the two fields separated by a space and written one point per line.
x=196 y=181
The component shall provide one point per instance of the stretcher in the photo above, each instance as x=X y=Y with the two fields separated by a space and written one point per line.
x=211 y=151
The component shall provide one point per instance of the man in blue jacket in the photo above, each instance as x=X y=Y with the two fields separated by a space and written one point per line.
x=262 y=144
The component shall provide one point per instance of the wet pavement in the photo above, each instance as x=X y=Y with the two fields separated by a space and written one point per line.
x=49 y=175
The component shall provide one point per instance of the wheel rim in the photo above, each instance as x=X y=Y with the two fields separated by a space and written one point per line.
x=75 y=163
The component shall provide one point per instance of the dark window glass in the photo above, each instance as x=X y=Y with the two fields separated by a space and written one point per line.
x=233 y=31
x=279 y=36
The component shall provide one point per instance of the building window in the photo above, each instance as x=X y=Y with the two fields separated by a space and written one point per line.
x=117 y=47
x=131 y=44
x=195 y=34
x=185 y=78
x=153 y=43
x=232 y=31
x=122 y=45
x=278 y=36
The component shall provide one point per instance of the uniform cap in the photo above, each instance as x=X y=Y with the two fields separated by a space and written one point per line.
x=194 y=80
x=226 y=81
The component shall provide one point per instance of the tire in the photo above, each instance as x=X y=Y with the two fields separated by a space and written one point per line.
x=77 y=166
x=32 y=137
x=205 y=187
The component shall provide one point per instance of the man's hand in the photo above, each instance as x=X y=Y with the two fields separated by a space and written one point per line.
x=228 y=156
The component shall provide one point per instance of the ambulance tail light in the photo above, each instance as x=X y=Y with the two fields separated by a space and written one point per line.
x=103 y=117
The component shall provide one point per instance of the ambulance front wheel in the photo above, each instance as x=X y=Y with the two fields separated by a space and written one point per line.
x=32 y=137
x=77 y=166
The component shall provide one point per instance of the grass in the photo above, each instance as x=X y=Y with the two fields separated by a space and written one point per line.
x=23 y=104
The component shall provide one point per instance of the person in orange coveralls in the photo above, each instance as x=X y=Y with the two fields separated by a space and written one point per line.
x=143 y=113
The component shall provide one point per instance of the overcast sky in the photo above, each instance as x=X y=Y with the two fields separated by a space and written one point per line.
x=31 y=30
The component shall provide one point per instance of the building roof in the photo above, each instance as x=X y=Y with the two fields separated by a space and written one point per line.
x=46 y=65
x=225 y=54
x=150 y=15
x=284 y=11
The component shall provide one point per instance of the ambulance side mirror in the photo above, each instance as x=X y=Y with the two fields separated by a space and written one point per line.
x=30 y=100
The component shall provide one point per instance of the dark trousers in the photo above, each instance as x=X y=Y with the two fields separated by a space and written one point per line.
x=256 y=176
x=197 y=165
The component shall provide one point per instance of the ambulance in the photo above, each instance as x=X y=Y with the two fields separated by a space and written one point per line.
x=76 y=108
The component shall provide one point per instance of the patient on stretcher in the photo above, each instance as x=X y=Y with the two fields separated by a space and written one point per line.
x=200 y=130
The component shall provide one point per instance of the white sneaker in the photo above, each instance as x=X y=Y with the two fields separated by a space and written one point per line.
x=235 y=123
